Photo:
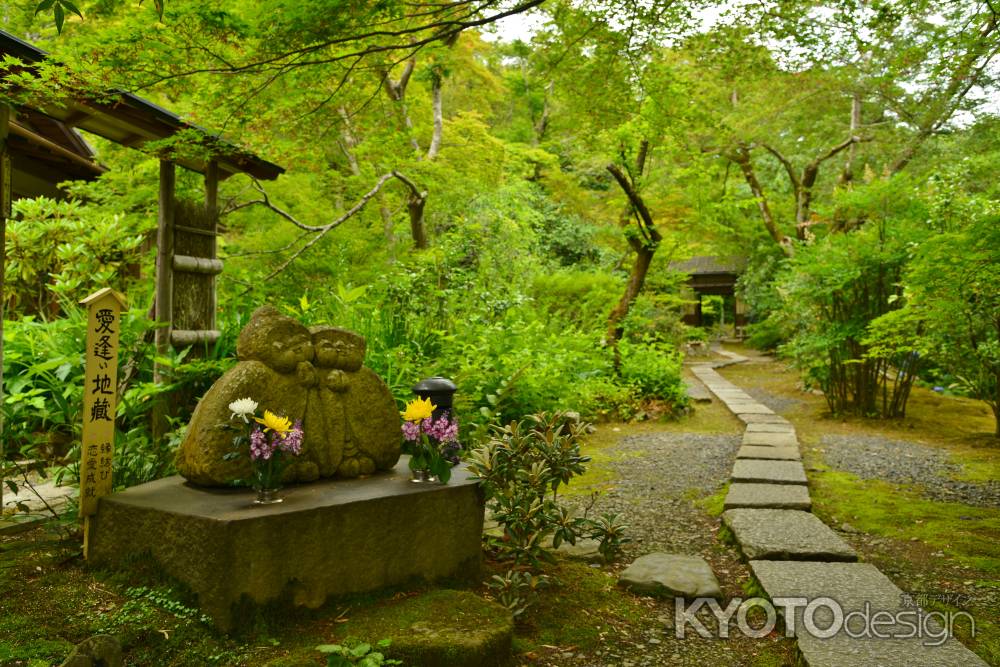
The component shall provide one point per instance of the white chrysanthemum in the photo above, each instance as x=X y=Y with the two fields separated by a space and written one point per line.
x=244 y=407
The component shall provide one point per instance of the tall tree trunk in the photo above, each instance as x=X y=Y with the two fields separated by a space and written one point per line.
x=543 y=123
x=644 y=243
x=435 y=146
x=741 y=156
x=415 y=203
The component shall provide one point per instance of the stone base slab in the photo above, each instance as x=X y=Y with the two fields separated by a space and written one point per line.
x=326 y=539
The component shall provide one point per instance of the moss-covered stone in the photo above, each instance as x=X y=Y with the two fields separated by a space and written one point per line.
x=442 y=628
x=351 y=426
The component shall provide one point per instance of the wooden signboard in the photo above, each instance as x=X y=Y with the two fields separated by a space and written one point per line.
x=100 y=397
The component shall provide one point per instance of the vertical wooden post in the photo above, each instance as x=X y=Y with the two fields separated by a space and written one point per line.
x=212 y=205
x=5 y=202
x=165 y=263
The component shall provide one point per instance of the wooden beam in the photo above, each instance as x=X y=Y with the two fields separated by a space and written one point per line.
x=165 y=262
x=212 y=205
x=54 y=148
x=73 y=118
x=5 y=201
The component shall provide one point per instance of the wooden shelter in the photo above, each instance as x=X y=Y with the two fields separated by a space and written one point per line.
x=40 y=148
x=709 y=275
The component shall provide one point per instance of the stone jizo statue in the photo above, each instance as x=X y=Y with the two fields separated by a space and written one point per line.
x=350 y=421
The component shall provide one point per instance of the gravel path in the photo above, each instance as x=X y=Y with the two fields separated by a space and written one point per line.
x=656 y=475
x=903 y=462
x=659 y=476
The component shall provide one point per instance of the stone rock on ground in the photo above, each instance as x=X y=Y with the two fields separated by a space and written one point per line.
x=769 y=453
x=853 y=585
x=669 y=575
x=98 y=651
x=771 y=472
x=585 y=549
x=774 y=534
x=776 y=496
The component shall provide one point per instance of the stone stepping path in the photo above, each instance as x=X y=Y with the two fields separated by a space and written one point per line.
x=770 y=472
x=768 y=427
x=776 y=534
x=774 y=453
x=770 y=439
x=853 y=586
x=783 y=496
x=794 y=554
x=697 y=391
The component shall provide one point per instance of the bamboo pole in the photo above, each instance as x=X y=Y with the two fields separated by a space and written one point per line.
x=165 y=262
x=212 y=204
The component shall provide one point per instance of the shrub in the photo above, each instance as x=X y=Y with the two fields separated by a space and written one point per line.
x=654 y=370
x=522 y=467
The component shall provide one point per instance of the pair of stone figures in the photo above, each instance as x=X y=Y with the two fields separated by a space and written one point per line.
x=350 y=421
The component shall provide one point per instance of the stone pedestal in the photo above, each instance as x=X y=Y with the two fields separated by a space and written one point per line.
x=326 y=539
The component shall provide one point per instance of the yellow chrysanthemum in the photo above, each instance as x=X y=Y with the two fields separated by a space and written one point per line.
x=275 y=423
x=418 y=410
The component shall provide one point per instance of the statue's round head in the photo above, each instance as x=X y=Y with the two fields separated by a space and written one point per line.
x=338 y=348
x=274 y=339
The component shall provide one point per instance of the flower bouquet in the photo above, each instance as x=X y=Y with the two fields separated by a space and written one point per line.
x=271 y=439
x=431 y=443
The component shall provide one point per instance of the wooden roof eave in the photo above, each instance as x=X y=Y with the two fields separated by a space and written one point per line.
x=134 y=121
x=37 y=139
x=116 y=125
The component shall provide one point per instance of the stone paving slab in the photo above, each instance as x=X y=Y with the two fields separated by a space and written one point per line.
x=853 y=585
x=763 y=419
x=751 y=409
x=769 y=453
x=768 y=427
x=771 y=439
x=776 y=534
x=769 y=472
x=775 y=496
x=730 y=397
x=697 y=391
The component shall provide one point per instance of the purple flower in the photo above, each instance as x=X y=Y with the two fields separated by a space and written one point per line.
x=291 y=441
x=411 y=431
x=259 y=448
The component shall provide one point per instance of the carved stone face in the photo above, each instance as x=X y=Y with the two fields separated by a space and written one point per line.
x=275 y=340
x=338 y=348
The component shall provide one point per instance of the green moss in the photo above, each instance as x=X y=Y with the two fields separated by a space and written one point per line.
x=582 y=607
x=714 y=503
x=439 y=627
x=967 y=534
